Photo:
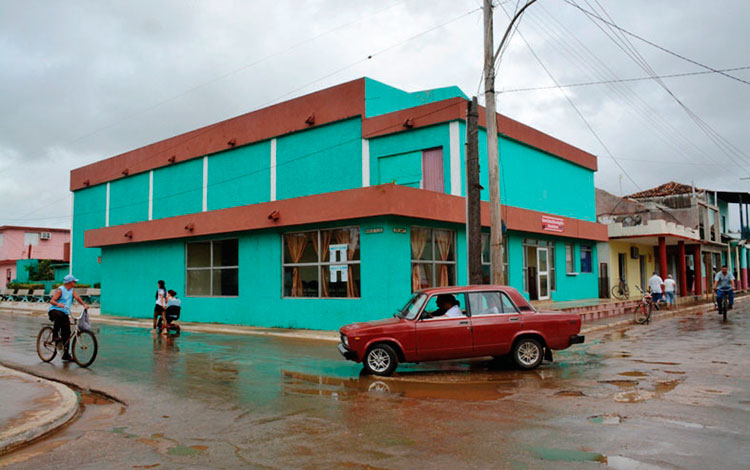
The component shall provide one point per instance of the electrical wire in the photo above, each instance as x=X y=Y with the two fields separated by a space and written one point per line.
x=664 y=49
x=368 y=57
x=580 y=114
x=619 y=80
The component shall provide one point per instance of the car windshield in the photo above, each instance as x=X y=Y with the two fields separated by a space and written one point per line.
x=413 y=306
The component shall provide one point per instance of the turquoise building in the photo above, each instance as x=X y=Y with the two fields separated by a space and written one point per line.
x=328 y=209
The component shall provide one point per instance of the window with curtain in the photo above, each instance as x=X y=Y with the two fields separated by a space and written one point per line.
x=212 y=268
x=586 y=258
x=433 y=258
x=322 y=263
x=570 y=265
x=487 y=260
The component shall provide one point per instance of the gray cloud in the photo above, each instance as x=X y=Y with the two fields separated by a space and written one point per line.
x=86 y=80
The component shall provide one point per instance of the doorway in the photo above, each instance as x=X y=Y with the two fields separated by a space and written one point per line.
x=642 y=267
x=542 y=256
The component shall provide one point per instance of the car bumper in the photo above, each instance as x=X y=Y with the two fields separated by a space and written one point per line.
x=577 y=339
x=347 y=353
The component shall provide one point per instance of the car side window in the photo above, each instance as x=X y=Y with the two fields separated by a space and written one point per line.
x=491 y=303
x=508 y=305
x=485 y=303
x=433 y=311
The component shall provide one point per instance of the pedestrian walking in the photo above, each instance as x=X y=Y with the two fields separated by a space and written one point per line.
x=655 y=285
x=161 y=301
x=669 y=291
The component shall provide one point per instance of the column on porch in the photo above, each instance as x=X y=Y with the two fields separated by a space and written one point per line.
x=663 y=257
x=697 y=262
x=681 y=267
x=743 y=266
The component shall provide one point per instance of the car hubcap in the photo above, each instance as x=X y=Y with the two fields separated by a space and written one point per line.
x=378 y=360
x=528 y=353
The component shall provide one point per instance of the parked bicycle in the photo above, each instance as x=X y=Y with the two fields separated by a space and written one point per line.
x=83 y=343
x=642 y=312
x=620 y=290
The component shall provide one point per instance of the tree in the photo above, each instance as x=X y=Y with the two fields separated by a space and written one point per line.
x=42 y=271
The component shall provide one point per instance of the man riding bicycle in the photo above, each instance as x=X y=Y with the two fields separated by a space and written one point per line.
x=59 y=311
x=724 y=285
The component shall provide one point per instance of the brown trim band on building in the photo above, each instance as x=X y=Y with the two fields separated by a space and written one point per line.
x=330 y=105
x=650 y=235
x=33 y=229
x=383 y=200
x=455 y=109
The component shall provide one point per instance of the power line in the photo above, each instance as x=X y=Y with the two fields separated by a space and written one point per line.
x=583 y=118
x=620 y=80
x=365 y=59
x=664 y=49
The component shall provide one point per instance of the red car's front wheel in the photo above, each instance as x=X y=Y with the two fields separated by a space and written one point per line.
x=380 y=359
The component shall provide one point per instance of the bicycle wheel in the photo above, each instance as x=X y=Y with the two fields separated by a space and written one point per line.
x=84 y=348
x=45 y=344
x=724 y=307
x=641 y=313
x=618 y=292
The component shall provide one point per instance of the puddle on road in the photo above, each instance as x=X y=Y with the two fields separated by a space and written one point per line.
x=657 y=362
x=673 y=372
x=634 y=396
x=570 y=393
x=567 y=455
x=606 y=419
x=634 y=373
x=621 y=383
x=666 y=386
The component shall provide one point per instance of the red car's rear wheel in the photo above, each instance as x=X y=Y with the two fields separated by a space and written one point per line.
x=528 y=353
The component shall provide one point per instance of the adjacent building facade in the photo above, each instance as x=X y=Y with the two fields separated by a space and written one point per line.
x=327 y=209
x=17 y=243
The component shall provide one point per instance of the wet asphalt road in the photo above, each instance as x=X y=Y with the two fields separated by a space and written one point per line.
x=673 y=394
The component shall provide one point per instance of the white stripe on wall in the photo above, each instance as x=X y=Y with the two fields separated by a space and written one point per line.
x=106 y=209
x=273 y=169
x=72 y=230
x=455 y=158
x=205 y=184
x=151 y=195
x=365 y=163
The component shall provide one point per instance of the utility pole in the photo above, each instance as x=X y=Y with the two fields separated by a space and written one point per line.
x=493 y=152
x=473 y=194
x=493 y=156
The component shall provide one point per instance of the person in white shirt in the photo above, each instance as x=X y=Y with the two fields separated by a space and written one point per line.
x=655 y=286
x=448 y=304
x=669 y=290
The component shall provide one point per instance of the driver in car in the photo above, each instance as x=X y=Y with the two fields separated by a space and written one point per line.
x=448 y=306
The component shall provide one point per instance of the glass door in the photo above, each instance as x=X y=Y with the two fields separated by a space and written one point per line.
x=542 y=258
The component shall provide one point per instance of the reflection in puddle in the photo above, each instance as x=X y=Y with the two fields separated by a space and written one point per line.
x=634 y=373
x=621 y=383
x=606 y=419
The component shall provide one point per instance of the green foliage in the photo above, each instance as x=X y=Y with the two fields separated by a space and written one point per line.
x=42 y=272
x=24 y=285
x=77 y=286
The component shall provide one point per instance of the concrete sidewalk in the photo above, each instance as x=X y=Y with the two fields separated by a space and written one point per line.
x=31 y=407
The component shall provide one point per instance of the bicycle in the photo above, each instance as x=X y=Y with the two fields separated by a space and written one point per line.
x=642 y=312
x=723 y=305
x=620 y=290
x=83 y=344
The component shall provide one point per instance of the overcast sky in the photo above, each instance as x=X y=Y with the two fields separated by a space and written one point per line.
x=85 y=80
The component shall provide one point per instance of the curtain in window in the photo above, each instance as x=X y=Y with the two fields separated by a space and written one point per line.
x=418 y=243
x=325 y=255
x=444 y=242
x=296 y=243
x=350 y=237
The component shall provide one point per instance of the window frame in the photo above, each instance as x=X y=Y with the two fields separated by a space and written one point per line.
x=433 y=262
x=212 y=268
x=320 y=264
x=488 y=263
x=503 y=295
x=570 y=263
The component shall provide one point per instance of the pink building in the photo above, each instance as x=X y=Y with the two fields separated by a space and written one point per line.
x=30 y=243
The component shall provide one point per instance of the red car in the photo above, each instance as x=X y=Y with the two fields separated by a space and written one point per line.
x=460 y=322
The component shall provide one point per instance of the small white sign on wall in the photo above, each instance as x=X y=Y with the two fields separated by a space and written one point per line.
x=339 y=273
x=338 y=253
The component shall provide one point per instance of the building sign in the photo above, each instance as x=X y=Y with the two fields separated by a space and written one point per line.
x=552 y=224
x=337 y=254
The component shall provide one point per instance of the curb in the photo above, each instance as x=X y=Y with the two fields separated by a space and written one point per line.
x=45 y=423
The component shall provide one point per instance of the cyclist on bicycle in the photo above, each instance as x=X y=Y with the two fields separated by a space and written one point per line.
x=724 y=284
x=59 y=311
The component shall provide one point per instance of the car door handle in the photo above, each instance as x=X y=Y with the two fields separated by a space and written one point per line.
x=513 y=319
x=463 y=322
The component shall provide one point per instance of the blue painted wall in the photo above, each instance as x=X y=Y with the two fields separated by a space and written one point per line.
x=240 y=176
x=89 y=206
x=128 y=199
x=178 y=189
x=382 y=99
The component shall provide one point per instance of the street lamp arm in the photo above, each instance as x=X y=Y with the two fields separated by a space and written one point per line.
x=510 y=27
